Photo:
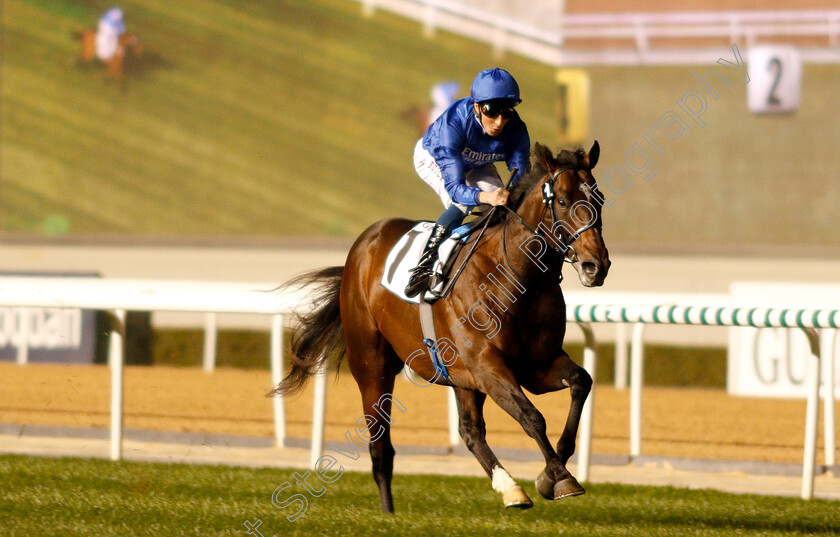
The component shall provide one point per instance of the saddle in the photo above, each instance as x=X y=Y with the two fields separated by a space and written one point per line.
x=399 y=264
x=406 y=253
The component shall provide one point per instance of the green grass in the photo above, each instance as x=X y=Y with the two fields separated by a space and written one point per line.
x=274 y=118
x=76 y=497
x=262 y=117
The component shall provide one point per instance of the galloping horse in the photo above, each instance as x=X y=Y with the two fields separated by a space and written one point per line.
x=503 y=322
x=128 y=47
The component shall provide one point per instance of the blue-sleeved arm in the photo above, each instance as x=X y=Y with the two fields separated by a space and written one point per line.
x=448 y=157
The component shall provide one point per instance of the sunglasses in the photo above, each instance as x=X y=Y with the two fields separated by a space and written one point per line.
x=494 y=110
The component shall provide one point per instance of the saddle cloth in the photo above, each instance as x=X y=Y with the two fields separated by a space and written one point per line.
x=404 y=256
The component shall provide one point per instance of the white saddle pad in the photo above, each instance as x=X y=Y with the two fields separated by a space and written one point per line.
x=404 y=256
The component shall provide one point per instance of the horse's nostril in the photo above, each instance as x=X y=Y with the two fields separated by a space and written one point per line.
x=589 y=268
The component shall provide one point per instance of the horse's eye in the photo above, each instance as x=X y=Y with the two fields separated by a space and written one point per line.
x=561 y=202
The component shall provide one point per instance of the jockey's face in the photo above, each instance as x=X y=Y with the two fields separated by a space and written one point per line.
x=493 y=116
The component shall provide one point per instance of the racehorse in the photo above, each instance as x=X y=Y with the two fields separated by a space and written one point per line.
x=503 y=323
x=128 y=47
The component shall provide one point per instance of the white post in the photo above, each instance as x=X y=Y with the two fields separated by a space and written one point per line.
x=590 y=363
x=368 y=8
x=210 y=337
x=636 y=379
x=319 y=409
x=115 y=360
x=429 y=21
x=621 y=356
x=23 y=344
x=454 y=437
x=812 y=416
x=276 y=377
x=827 y=348
x=499 y=43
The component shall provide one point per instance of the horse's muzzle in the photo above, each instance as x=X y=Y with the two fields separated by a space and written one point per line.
x=592 y=272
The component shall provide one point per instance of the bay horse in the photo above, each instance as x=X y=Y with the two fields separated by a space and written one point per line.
x=506 y=312
x=128 y=47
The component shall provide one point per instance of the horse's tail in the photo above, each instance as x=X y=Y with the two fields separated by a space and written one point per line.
x=319 y=334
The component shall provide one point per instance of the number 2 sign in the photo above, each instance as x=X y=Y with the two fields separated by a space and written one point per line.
x=775 y=73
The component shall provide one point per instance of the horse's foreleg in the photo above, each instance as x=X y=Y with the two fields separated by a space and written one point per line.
x=564 y=373
x=115 y=65
x=580 y=384
x=472 y=429
x=507 y=393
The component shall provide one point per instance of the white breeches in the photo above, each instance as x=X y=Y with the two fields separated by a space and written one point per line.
x=486 y=178
x=106 y=43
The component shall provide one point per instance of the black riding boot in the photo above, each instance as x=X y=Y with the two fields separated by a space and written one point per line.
x=419 y=280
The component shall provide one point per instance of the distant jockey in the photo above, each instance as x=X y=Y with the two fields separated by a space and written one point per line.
x=443 y=95
x=111 y=27
x=456 y=156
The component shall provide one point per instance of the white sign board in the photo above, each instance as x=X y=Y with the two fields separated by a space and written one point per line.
x=772 y=362
x=775 y=73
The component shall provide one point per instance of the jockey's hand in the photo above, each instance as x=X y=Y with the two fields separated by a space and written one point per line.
x=496 y=197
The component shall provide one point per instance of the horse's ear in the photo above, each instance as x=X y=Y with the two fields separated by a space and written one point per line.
x=543 y=155
x=592 y=158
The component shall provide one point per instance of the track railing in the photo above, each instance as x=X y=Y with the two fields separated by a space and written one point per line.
x=120 y=295
x=565 y=39
x=819 y=321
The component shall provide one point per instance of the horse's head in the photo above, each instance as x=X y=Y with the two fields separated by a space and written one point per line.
x=565 y=206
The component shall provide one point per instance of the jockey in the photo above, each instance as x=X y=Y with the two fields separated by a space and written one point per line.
x=456 y=156
x=111 y=27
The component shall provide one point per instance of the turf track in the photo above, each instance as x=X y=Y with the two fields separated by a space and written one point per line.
x=90 y=497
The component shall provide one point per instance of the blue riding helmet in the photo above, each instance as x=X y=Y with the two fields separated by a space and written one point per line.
x=114 y=18
x=494 y=84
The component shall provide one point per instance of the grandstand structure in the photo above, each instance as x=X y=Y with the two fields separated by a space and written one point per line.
x=543 y=30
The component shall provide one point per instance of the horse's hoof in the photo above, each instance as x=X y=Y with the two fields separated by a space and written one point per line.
x=516 y=497
x=545 y=486
x=567 y=487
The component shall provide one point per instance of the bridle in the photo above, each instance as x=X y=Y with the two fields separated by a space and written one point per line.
x=549 y=200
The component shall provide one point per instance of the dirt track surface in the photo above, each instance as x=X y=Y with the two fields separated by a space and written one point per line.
x=676 y=422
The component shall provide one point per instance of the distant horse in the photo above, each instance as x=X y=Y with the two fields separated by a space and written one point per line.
x=128 y=48
x=503 y=323
x=418 y=117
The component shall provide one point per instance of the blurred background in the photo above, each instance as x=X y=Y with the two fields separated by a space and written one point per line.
x=266 y=119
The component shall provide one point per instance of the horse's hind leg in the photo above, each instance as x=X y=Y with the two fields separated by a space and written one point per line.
x=471 y=427
x=374 y=366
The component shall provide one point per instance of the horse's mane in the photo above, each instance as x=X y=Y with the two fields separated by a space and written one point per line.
x=567 y=157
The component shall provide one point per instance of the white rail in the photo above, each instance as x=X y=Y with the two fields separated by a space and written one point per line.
x=120 y=296
x=625 y=38
x=818 y=319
